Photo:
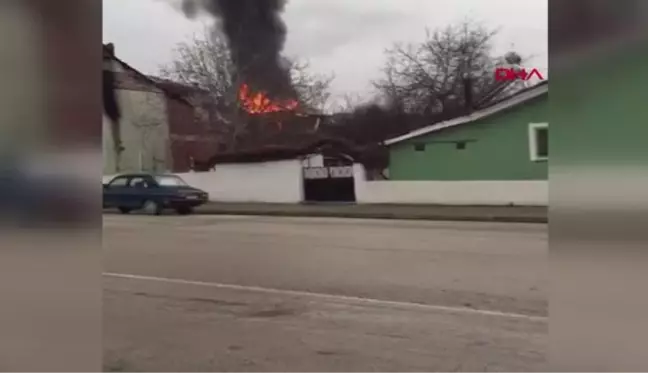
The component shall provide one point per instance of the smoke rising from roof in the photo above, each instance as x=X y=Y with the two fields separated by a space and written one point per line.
x=256 y=35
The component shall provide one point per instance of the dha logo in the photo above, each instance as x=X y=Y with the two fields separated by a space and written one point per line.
x=516 y=73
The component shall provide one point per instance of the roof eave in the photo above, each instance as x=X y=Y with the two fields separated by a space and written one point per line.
x=536 y=91
x=144 y=77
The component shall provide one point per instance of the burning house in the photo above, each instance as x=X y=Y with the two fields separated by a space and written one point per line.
x=255 y=35
x=268 y=123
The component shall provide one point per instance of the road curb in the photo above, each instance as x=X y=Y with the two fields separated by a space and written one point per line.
x=382 y=216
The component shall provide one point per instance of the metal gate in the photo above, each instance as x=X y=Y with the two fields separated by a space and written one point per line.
x=329 y=184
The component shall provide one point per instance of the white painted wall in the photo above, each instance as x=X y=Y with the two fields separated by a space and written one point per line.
x=527 y=193
x=313 y=160
x=282 y=182
x=273 y=182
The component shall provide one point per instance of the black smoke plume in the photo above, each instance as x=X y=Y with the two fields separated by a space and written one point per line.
x=256 y=35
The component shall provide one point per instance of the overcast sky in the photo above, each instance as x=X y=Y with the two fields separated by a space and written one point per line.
x=346 y=37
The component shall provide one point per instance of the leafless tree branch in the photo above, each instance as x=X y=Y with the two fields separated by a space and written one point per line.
x=428 y=77
x=312 y=89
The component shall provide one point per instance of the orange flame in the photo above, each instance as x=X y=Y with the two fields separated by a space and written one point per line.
x=259 y=103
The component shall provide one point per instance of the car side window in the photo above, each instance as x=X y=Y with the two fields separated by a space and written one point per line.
x=119 y=182
x=138 y=182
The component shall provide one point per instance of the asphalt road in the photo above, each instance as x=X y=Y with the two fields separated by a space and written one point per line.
x=216 y=293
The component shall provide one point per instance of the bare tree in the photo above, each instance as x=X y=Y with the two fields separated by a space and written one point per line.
x=312 y=89
x=205 y=62
x=439 y=74
x=349 y=102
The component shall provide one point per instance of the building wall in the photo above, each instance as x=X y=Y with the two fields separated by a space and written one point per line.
x=497 y=148
x=108 y=151
x=271 y=182
x=144 y=128
x=144 y=133
x=190 y=134
x=448 y=192
x=186 y=148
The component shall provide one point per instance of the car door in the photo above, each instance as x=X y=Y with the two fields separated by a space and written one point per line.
x=115 y=192
x=137 y=191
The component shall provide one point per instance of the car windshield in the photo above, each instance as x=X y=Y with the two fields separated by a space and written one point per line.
x=170 y=180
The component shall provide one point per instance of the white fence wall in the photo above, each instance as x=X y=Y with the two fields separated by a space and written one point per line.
x=272 y=182
x=527 y=193
x=282 y=182
x=278 y=182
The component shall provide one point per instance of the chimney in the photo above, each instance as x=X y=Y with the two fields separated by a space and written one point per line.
x=111 y=48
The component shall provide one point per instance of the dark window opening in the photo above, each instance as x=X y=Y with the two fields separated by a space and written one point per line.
x=419 y=147
x=542 y=142
x=461 y=145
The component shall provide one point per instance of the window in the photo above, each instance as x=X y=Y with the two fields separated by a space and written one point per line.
x=119 y=182
x=170 y=180
x=539 y=141
x=419 y=147
x=138 y=182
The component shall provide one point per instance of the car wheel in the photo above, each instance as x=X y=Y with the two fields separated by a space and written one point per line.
x=124 y=210
x=152 y=207
x=184 y=210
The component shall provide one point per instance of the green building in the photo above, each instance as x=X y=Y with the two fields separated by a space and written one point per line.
x=506 y=141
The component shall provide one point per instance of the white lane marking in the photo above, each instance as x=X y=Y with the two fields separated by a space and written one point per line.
x=372 y=301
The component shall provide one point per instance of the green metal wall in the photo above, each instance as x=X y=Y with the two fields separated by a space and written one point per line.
x=499 y=151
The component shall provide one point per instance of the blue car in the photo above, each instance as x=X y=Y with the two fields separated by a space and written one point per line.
x=152 y=194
